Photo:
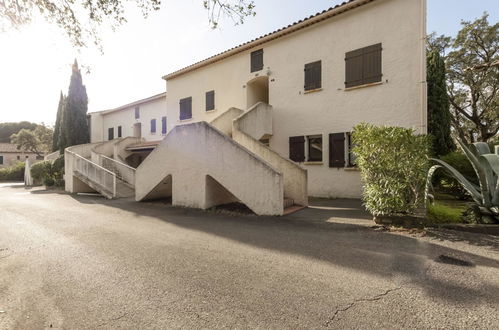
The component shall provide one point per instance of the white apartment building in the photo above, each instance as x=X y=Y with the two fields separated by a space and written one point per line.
x=268 y=122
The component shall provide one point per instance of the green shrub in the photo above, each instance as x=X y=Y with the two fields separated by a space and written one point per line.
x=48 y=181
x=13 y=173
x=393 y=164
x=41 y=170
x=58 y=171
x=441 y=213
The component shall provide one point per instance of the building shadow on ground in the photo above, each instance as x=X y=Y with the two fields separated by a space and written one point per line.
x=327 y=231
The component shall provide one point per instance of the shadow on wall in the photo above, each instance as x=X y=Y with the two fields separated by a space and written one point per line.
x=357 y=247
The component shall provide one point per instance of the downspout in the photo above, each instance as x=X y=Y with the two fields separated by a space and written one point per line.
x=424 y=90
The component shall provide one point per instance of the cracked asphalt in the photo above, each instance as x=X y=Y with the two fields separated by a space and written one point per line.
x=83 y=262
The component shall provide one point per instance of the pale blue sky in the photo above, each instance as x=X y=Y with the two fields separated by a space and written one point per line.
x=35 y=61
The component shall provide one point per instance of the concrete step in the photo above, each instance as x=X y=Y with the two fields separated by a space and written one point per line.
x=288 y=202
x=123 y=189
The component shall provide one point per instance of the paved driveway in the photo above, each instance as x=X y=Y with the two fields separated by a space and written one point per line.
x=84 y=262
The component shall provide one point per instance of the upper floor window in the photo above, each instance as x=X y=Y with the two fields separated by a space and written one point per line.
x=210 y=100
x=163 y=125
x=313 y=76
x=119 y=131
x=110 y=133
x=257 y=60
x=137 y=113
x=186 y=108
x=153 y=126
x=363 y=66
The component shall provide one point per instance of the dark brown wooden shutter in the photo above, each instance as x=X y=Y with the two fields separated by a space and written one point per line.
x=363 y=66
x=186 y=108
x=210 y=100
x=372 y=64
x=110 y=133
x=313 y=75
x=337 y=150
x=297 y=148
x=257 y=60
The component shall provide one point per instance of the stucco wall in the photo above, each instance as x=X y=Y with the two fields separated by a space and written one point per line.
x=201 y=159
x=10 y=158
x=399 y=100
x=155 y=109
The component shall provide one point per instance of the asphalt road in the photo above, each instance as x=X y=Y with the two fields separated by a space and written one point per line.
x=82 y=262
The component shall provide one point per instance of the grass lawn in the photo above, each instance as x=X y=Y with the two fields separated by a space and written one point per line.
x=447 y=209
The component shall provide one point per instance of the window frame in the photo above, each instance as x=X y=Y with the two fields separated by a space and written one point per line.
x=153 y=126
x=309 y=139
x=110 y=133
x=309 y=70
x=256 y=60
x=163 y=125
x=210 y=103
x=187 y=100
x=358 y=61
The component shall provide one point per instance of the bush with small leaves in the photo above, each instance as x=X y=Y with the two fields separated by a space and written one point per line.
x=393 y=163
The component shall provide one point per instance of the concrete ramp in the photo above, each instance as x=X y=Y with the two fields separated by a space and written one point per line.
x=201 y=167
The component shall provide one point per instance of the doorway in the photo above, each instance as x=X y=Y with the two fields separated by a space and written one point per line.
x=257 y=91
x=137 y=130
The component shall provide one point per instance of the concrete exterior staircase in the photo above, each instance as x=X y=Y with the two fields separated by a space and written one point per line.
x=87 y=170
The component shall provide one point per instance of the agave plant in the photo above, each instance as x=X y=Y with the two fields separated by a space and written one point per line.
x=486 y=165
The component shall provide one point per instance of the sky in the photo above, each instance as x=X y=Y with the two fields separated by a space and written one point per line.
x=35 y=60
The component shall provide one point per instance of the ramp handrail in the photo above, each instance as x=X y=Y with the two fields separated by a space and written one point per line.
x=123 y=171
x=94 y=172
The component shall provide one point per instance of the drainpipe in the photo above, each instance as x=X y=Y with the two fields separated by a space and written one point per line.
x=424 y=90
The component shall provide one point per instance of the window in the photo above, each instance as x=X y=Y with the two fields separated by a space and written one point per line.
x=352 y=158
x=314 y=148
x=163 y=125
x=153 y=126
x=363 y=66
x=313 y=76
x=119 y=131
x=27 y=157
x=39 y=157
x=110 y=133
x=340 y=150
x=257 y=60
x=18 y=157
x=1 y=160
x=210 y=100
x=137 y=113
x=297 y=148
x=186 y=108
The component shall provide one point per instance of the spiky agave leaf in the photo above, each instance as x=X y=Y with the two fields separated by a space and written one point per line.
x=482 y=176
x=468 y=186
x=492 y=161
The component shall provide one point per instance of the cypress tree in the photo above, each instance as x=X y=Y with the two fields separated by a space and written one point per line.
x=58 y=123
x=439 y=120
x=74 y=128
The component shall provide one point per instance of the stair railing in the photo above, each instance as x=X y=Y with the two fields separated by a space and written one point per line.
x=124 y=172
x=94 y=172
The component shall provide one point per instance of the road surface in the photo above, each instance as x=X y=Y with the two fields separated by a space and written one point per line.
x=83 y=262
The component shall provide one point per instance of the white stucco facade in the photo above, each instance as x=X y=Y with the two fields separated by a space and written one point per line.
x=148 y=109
x=399 y=99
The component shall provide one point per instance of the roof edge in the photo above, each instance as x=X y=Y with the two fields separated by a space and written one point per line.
x=141 y=101
x=301 y=24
